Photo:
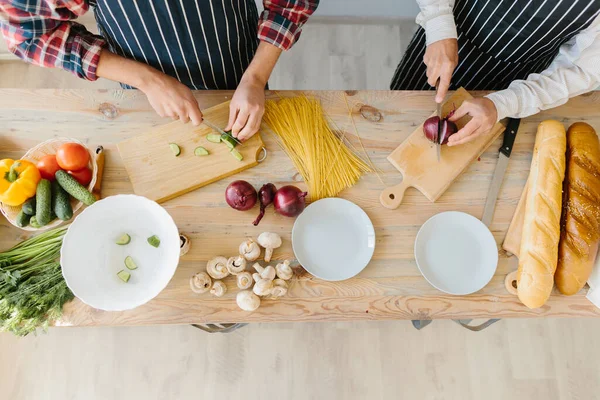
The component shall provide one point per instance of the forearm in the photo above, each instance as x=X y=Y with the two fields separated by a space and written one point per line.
x=262 y=64
x=437 y=19
x=120 y=69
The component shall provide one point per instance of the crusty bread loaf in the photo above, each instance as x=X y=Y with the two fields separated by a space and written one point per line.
x=541 y=229
x=580 y=225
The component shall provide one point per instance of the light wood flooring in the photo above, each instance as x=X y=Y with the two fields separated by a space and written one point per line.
x=514 y=359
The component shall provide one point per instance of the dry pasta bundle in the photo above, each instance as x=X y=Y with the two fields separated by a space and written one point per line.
x=327 y=165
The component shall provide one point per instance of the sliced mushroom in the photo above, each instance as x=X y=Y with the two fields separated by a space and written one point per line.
x=217 y=267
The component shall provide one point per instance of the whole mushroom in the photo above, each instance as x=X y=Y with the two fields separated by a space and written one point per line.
x=269 y=241
x=284 y=271
x=235 y=265
x=263 y=287
x=250 y=250
x=247 y=300
x=217 y=267
x=244 y=280
x=218 y=289
x=200 y=283
x=280 y=288
x=267 y=272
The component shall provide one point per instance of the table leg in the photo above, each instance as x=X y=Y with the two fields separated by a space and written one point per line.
x=218 y=328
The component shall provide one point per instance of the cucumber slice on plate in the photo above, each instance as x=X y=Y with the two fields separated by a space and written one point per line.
x=123 y=240
x=129 y=263
x=213 y=138
x=154 y=241
x=238 y=156
x=124 y=275
x=175 y=149
x=200 y=151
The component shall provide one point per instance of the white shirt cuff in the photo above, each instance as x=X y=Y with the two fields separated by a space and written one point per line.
x=506 y=102
x=440 y=28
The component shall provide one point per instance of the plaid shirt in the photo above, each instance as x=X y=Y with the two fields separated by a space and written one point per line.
x=42 y=31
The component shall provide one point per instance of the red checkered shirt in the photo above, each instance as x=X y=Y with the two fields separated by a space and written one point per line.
x=42 y=31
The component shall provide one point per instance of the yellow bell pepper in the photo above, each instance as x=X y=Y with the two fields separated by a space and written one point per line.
x=18 y=181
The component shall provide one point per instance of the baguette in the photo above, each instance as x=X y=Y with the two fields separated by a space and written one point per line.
x=541 y=229
x=580 y=225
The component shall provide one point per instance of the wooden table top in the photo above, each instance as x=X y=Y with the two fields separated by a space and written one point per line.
x=391 y=286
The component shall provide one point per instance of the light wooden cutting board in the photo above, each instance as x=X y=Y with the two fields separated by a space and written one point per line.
x=512 y=240
x=416 y=158
x=158 y=175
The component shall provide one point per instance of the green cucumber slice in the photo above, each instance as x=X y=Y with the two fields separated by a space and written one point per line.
x=129 y=263
x=175 y=149
x=124 y=275
x=154 y=241
x=200 y=151
x=238 y=156
x=123 y=240
x=213 y=138
x=229 y=141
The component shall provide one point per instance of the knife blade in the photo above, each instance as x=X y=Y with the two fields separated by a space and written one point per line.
x=221 y=131
x=438 y=145
x=510 y=133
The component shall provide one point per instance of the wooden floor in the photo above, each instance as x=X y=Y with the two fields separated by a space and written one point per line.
x=513 y=359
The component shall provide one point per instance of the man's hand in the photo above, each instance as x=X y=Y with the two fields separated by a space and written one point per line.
x=441 y=58
x=484 y=116
x=247 y=108
x=171 y=98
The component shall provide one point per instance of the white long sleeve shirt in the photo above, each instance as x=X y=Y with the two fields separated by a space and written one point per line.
x=575 y=70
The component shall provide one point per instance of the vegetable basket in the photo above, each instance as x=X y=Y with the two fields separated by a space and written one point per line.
x=34 y=155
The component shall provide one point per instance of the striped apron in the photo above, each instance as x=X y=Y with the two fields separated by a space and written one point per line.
x=204 y=44
x=500 y=41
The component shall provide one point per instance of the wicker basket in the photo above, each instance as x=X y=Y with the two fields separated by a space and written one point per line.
x=34 y=155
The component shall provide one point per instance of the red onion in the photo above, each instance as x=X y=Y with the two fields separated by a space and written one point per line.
x=266 y=194
x=240 y=195
x=289 y=201
x=448 y=128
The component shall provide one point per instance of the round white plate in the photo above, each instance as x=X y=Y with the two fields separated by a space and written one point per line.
x=90 y=258
x=333 y=239
x=456 y=253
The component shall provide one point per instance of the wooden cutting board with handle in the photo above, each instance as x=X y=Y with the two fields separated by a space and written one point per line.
x=416 y=158
x=512 y=240
x=157 y=174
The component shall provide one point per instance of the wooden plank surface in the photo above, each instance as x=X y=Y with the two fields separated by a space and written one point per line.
x=157 y=174
x=416 y=158
x=391 y=287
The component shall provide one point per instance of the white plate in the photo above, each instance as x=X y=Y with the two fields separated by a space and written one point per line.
x=90 y=258
x=333 y=239
x=456 y=253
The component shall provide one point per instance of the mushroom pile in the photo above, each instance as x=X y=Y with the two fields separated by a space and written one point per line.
x=266 y=281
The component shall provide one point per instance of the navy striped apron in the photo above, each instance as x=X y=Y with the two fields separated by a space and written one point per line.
x=205 y=44
x=500 y=41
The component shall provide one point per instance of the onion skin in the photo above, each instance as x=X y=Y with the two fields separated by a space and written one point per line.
x=430 y=128
x=290 y=201
x=266 y=195
x=240 y=195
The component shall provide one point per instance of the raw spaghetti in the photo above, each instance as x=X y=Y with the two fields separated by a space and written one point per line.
x=327 y=165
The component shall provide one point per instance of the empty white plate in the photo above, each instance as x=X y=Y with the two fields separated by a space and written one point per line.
x=333 y=239
x=456 y=253
x=90 y=258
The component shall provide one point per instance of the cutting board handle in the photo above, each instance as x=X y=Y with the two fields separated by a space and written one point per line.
x=392 y=196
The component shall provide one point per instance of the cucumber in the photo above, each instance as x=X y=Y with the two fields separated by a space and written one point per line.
x=200 y=151
x=74 y=188
x=213 y=138
x=154 y=241
x=22 y=219
x=238 y=156
x=29 y=206
x=43 y=203
x=175 y=149
x=33 y=222
x=123 y=240
x=61 y=202
x=229 y=140
x=124 y=275
x=130 y=264
x=229 y=144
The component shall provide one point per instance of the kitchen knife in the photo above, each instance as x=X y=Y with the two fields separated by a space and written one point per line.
x=510 y=133
x=221 y=131
x=438 y=145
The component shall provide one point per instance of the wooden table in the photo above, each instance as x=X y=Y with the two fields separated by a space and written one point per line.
x=391 y=287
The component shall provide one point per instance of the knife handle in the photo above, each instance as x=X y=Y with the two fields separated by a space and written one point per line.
x=509 y=136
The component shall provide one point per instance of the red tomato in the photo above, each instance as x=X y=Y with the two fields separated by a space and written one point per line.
x=72 y=157
x=48 y=167
x=83 y=176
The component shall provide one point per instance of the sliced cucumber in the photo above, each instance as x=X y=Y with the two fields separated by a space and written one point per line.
x=228 y=144
x=200 y=151
x=123 y=240
x=130 y=264
x=124 y=275
x=154 y=241
x=237 y=154
x=213 y=138
x=175 y=149
x=229 y=141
